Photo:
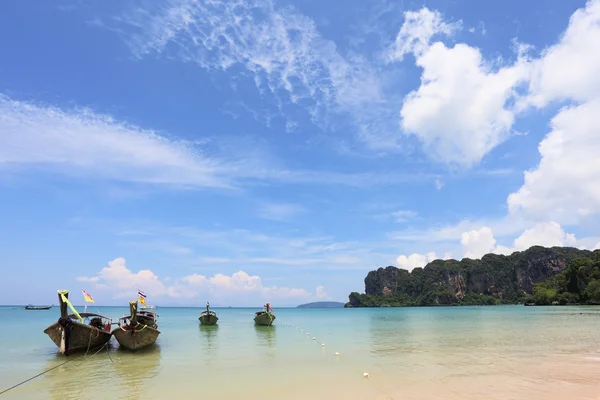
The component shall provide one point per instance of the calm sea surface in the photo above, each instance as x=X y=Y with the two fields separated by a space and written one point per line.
x=511 y=352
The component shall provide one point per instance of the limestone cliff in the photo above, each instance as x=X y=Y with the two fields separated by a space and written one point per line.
x=491 y=280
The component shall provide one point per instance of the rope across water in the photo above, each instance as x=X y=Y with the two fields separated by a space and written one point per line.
x=336 y=354
x=61 y=364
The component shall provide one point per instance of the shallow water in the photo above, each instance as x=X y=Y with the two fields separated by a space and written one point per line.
x=510 y=352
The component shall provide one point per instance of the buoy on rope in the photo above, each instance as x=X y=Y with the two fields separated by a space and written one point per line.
x=323 y=344
x=366 y=374
x=307 y=333
x=314 y=339
x=337 y=354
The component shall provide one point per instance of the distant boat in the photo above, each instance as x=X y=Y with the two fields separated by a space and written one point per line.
x=265 y=317
x=146 y=308
x=140 y=331
x=71 y=334
x=208 y=317
x=30 y=307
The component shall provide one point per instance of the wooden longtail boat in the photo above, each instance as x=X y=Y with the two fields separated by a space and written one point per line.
x=208 y=317
x=30 y=307
x=71 y=334
x=140 y=331
x=265 y=317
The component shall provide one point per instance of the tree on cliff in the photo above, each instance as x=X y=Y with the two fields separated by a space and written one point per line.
x=543 y=275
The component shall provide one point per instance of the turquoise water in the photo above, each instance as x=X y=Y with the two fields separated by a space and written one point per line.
x=511 y=352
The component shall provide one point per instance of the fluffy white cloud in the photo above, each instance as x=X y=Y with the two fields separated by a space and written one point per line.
x=239 y=288
x=478 y=242
x=126 y=283
x=563 y=183
x=460 y=111
x=417 y=260
x=545 y=234
x=241 y=284
x=569 y=69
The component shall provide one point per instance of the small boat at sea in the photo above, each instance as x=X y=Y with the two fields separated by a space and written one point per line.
x=208 y=317
x=265 y=317
x=71 y=334
x=137 y=330
x=30 y=307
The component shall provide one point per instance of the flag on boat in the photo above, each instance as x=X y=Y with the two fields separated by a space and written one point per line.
x=141 y=297
x=87 y=297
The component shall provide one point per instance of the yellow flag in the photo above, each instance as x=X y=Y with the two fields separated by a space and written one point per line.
x=142 y=297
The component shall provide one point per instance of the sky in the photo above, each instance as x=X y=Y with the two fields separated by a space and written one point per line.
x=240 y=152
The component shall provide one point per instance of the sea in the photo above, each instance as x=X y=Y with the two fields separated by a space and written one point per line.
x=495 y=352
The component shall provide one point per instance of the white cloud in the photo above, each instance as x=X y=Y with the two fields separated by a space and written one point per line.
x=84 y=142
x=545 y=234
x=478 y=242
x=239 y=288
x=126 y=283
x=280 y=211
x=418 y=29
x=563 y=183
x=569 y=69
x=280 y=47
x=403 y=215
x=460 y=111
x=235 y=247
x=320 y=293
x=416 y=260
x=241 y=284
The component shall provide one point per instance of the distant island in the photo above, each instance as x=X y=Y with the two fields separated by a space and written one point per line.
x=536 y=276
x=322 y=304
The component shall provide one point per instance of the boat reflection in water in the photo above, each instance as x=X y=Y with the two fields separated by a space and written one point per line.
x=208 y=334
x=266 y=338
x=137 y=371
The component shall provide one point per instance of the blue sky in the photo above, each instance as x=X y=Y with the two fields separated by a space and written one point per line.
x=250 y=151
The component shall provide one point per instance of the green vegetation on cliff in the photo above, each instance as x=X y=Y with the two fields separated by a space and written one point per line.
x=540 y=275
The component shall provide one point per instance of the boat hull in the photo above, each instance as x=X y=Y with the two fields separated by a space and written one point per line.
x=208 y=319
x=81 y=337
x=264 y=319
x=135 y=340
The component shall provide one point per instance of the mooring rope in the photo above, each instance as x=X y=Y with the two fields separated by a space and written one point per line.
x=33 y=377
x=336 y=354
x=61 y=364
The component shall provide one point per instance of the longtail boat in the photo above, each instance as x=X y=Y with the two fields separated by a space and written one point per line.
x=30 y=307
x=140 y=331
x=265 y=317
x=208 y=317
x=71 y=334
